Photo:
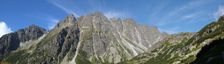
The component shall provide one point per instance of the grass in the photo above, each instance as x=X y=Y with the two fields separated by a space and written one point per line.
x=17 y=57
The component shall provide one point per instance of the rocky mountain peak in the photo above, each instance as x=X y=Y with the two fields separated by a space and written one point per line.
x=221 y=19
x=70 y=18
x=10 y=42
x=130 y=21
x=29 y=33
x=34 y=27
x=68 y=21
x=97 y=14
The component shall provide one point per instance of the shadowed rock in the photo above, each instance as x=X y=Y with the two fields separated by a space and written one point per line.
x=10 y=42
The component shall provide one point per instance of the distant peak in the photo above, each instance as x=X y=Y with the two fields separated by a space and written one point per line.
x=221 y=19
x=130 y=21
x=33 y=26
x=71 y=16
x=68 y=21
x=99 y=14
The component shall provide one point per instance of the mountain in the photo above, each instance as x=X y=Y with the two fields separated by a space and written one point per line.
x=12 y=41
x=93 y=38
x=96 y=39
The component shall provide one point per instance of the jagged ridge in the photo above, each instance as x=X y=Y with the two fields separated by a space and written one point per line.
x=90 y=39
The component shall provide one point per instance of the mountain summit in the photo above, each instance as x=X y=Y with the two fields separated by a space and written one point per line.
x=68 y=21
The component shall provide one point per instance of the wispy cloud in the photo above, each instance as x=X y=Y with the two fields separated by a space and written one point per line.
x=191 y=16
x=183 y=14
x=184 y=10
x=62 y=6
x=113 y=14
x=52 y=23
x=170 y=30
x=4 y=29
x=188 y=19
x=219 y=12
x=191 y=5
x=158 y=8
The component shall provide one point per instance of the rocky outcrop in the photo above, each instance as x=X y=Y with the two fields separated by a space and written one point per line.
x=10 y=42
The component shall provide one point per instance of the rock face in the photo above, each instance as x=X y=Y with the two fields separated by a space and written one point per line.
x=105 y=40
x=12 y=41
x=89 y=39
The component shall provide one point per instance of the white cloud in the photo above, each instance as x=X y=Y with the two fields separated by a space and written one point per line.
x=219 y=12
x=4 y=29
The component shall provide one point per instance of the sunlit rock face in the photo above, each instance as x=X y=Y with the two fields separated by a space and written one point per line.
x=114 y=40
x=91 y=38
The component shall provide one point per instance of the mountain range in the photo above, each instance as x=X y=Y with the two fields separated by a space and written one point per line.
x=96 y=39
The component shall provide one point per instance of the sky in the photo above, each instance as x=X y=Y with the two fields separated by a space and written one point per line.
x=171 y=16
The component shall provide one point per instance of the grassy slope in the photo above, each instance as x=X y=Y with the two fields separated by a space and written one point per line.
x=184 y=52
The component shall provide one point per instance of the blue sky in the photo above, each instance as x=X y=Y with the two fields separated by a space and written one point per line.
x=170 y=16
